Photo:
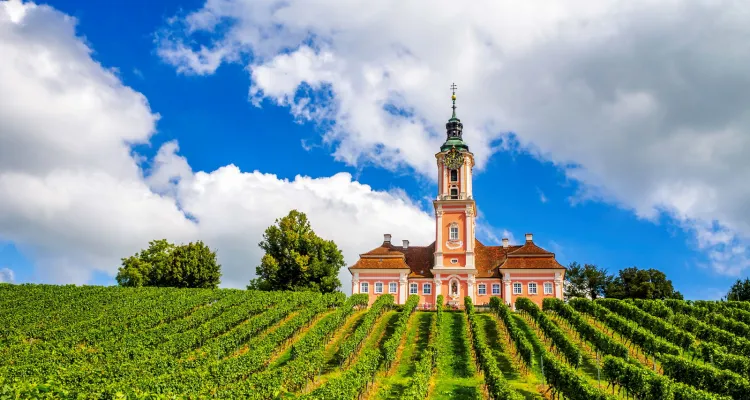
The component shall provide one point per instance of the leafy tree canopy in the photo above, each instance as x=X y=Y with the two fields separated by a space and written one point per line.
x=634 y=283
x=586 y=280
x=191 y=265
x=740 y=290
x=296 y=258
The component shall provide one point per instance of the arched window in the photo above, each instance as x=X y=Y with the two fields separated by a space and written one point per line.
x=454 y=193
x=454 y=175
x=454 y=231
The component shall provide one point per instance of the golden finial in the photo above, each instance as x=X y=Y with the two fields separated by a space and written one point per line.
x=453 y=97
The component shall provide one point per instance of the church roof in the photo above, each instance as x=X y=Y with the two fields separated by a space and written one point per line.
x=529 y=248
x=488 y=260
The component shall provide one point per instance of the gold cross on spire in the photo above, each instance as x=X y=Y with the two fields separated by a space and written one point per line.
x=453 y=97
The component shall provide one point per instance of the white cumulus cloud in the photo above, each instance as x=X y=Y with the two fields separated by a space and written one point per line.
x=75 y=199
x=642 y=102
x=7 y=275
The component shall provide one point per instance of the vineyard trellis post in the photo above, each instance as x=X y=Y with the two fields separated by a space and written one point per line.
x=598 y=370
x=541 y=359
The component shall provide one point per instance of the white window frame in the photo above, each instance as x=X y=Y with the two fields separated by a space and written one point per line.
x=451 y=175
x=453 y=228
x=426 y=288
x=548 y=285
x=392 y=287
x=535 y=291
x=364 y=287
x=413 y=288
x=482 y=289
x=517 y=288
x=376 y=287
x=454 y=193
x=495 y=286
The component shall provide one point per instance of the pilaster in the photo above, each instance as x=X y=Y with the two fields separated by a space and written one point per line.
x=403 y=288
x=355 y=283
x=558 y=286
x=470 y=287
x=439 y=238
x=507 y=290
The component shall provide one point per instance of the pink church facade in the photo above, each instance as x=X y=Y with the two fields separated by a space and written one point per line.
x=456 y=264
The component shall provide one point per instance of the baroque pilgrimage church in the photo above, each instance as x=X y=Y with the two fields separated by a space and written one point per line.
x=456 y=264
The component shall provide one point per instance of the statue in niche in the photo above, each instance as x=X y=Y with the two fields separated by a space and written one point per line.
x=454 y=289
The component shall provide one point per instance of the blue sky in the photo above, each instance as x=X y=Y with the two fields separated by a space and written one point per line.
x=554 y=179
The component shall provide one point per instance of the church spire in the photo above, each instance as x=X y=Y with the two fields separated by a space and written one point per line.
x=454 y=128
x=453 y=97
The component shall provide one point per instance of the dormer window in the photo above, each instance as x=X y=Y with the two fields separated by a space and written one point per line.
x=454 y=175
x=454 y=193
x=454 y=231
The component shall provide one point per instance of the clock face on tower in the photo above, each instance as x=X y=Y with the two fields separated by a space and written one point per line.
x=453 y=160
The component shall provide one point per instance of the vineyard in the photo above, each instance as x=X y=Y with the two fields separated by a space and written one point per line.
x=67 y=342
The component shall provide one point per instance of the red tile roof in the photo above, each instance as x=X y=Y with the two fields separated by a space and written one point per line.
x=530 y=248
x=380 y=263
x=531 y=263
x=488 y=259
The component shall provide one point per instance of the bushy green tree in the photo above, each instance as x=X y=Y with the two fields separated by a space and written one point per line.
x=634 y=283
x=587 y=281
x=740 y=291
x=164 y=264
x=296 y=258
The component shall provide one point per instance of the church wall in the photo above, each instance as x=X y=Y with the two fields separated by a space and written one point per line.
x=449 y=218
x=485 y=299
x=385 y=278
x=462 y=286
x=539 y=279
x=460 y=257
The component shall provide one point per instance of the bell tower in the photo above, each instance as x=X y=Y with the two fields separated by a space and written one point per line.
x=455 y=208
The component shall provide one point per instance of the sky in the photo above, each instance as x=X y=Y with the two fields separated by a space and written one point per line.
x=615 y=131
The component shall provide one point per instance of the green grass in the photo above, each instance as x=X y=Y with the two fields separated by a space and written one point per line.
x=456 y=376
x=417 y=337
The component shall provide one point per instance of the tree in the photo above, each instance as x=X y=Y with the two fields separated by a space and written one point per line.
x=634 y=283
x=296 y=258
x=587 y=281
x=740 y=291
x=163 y=264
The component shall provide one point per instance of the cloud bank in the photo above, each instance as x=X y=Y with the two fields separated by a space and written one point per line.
x=643 y=103
x=75 y=198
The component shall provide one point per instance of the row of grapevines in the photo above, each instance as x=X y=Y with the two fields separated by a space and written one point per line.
x=602 y=342
x=565 y=380
x=307 y=358
x=648 y=385
x=44 y=358
x=522 y=344
x=701 y=330
x=390 y=347
x=560 y=340
x=420 y=382
x=352 y=344
x=192 y=339
x=206 y=374
x=710 y=313
x=716 y=356
x=650 y=343
x=260 y=350
x=656 y=325
x=353 y=382
x=706 y=377
x=722 y=306
x=497 y=386
x=714 y=313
